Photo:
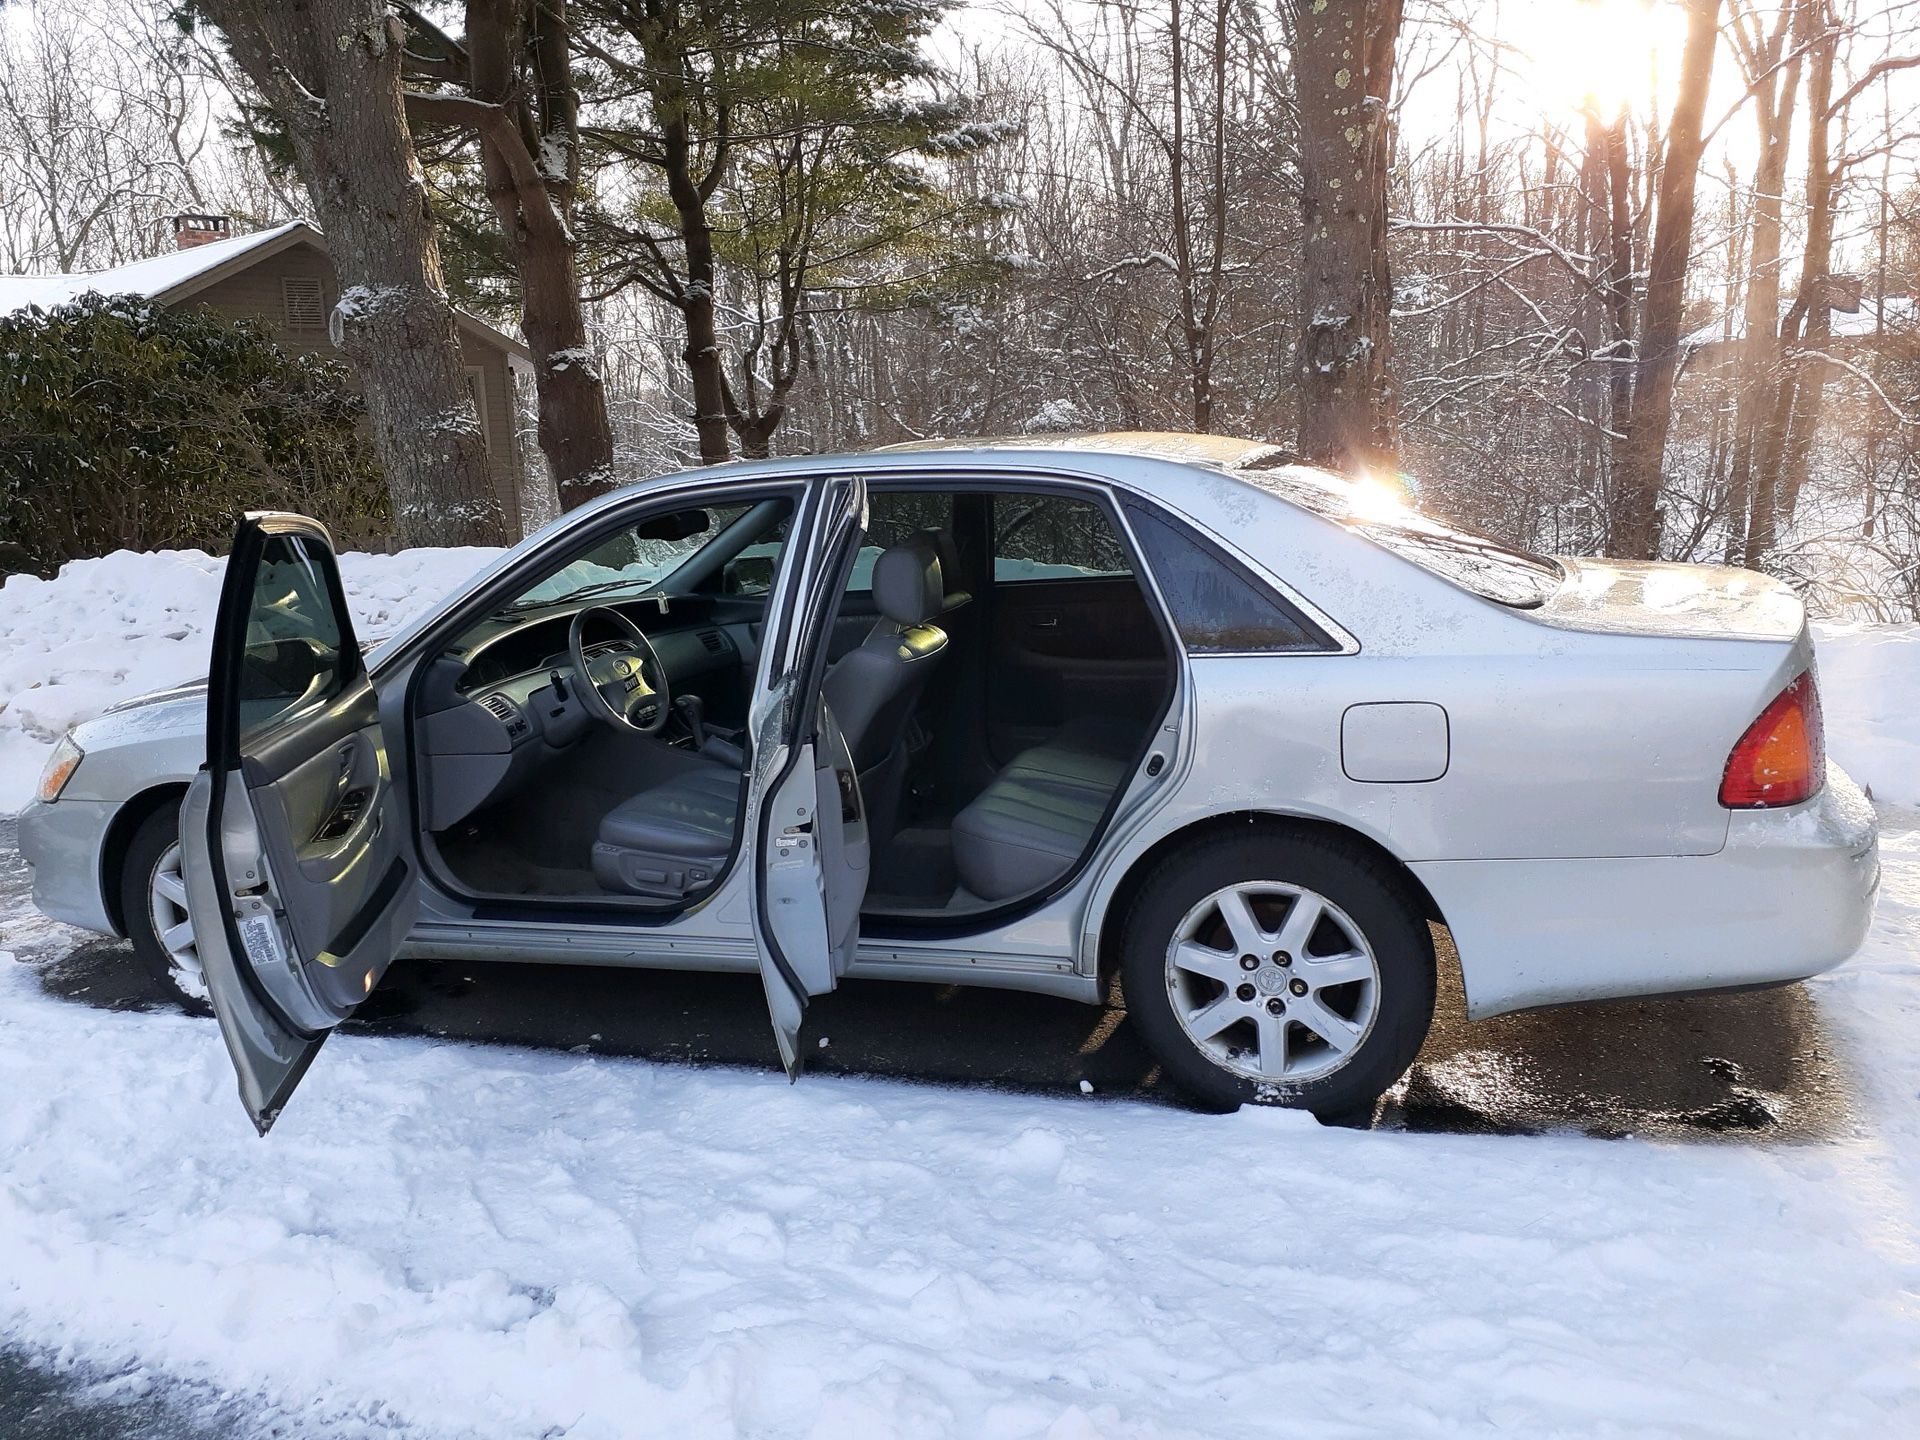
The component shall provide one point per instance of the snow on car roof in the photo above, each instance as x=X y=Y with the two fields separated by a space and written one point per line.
x=1221 y=452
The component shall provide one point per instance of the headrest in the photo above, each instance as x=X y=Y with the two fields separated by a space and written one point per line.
x=906 y=584
x=948 y=549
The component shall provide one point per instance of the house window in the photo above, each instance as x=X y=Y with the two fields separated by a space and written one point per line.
x=477 y=392
x=301 y=301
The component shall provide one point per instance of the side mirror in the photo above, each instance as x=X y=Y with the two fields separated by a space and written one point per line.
x=748 y=575
x=680 y=525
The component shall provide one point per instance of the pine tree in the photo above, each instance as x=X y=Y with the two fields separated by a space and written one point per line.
x=787 y=145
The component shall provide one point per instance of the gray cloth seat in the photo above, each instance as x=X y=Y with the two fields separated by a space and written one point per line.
x=670 y=841
x=872 y=689
x=1030 y=826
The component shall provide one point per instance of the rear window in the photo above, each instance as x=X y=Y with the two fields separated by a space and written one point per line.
x=1475 y=563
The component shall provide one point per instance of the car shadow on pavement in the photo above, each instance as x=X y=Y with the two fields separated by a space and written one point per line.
x=1753 y=1064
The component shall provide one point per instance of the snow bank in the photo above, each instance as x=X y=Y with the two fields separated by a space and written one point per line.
x=103 y=631
x=1870 y=695
x=487 y=1242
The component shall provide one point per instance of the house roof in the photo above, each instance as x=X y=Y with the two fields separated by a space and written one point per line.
x=1901 y=314
x=180 y=274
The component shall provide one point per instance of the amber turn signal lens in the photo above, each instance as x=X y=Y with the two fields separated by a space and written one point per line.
x=1782 y=759
x=61 y=764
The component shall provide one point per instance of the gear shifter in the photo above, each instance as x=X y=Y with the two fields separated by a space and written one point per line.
x=692 y=711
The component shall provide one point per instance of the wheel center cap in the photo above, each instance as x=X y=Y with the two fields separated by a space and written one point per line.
x=1270 y=980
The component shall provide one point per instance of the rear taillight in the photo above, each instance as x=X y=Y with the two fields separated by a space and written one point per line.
x=1782 y=759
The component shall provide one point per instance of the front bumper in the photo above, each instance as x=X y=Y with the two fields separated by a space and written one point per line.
x=1790 y=895
x=63 y=844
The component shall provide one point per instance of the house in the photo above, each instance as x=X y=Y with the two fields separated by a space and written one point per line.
x=1854 y=322
x=282 y=276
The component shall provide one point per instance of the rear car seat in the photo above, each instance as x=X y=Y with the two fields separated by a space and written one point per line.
x=1027 y=828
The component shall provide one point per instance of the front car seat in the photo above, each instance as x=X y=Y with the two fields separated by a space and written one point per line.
x=670 y=842
x=872 y=689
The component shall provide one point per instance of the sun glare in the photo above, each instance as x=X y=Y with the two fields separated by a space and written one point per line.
x=1372 y=497
x=1594 y=52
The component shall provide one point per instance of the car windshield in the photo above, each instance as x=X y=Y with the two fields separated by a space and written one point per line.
x=1474 y=562
x=633 y=561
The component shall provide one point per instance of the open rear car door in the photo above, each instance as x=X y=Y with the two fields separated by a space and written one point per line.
x=293 y=834
x=809 y=825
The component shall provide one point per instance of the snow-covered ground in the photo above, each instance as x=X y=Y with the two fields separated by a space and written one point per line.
x=463 y=1241
x=106 y=630
x=452 y=1240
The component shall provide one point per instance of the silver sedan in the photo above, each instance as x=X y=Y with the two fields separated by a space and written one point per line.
x=1033 y=715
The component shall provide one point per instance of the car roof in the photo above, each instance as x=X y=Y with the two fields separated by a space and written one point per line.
x=1091 y=454
x=1219 y=452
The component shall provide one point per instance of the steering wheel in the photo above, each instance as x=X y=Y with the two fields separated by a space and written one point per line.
x=623 y=685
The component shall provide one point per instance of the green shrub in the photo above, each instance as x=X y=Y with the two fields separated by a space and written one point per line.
x=128 y=424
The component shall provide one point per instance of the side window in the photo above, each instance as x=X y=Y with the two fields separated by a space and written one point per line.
x=294 y=657
x=1053 y=537
x=1217 y=605
x=893 y=518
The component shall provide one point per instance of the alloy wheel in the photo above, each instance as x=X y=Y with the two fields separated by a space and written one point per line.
x=1273 y=982
x=173 y=925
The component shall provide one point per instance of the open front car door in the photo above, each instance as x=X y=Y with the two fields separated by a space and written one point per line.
x=809 y=823
x=293 y=834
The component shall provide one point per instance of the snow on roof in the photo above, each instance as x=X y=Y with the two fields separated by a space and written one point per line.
x=156 y=277
x=163 y=277
x=1901 y=313
x=1224 y=452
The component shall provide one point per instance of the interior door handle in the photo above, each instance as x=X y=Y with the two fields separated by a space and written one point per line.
x=346 y=812
x=1045 y=622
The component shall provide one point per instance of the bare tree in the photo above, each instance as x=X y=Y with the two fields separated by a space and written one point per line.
x=101 y=132
x=1642 y=453
x=1771 y=59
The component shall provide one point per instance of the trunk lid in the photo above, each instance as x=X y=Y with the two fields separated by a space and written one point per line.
x=1630 y=597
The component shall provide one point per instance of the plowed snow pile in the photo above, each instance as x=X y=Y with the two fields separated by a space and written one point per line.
x=106 y=630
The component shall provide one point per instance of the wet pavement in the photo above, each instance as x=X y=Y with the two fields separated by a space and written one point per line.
x=1691 y=1067
x=1728 y=1068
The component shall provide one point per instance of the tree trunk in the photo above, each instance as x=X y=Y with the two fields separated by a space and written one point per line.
x=534 y=200
x=1637 y=473
x=1756 y=436
x=1343 y=73
x=1814 y=319
x=331 y=71
x=705 y=367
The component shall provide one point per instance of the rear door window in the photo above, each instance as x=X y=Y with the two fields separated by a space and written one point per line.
x=1054 y=537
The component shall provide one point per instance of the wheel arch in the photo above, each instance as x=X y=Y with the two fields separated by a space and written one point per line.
x=125 y=824
x=1243 y=822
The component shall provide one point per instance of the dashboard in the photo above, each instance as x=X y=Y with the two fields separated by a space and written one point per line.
x=498 y=706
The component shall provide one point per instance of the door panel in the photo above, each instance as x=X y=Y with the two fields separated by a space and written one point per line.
x=809 y=824
x=1066 y=649
x=293 y=833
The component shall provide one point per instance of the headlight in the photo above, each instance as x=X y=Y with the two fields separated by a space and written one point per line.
x=61 y=764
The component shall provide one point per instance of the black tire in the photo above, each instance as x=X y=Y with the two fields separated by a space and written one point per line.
x=1374 y=897
x=156 y=835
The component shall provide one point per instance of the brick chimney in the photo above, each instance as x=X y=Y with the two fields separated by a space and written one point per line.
x=192 y=230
